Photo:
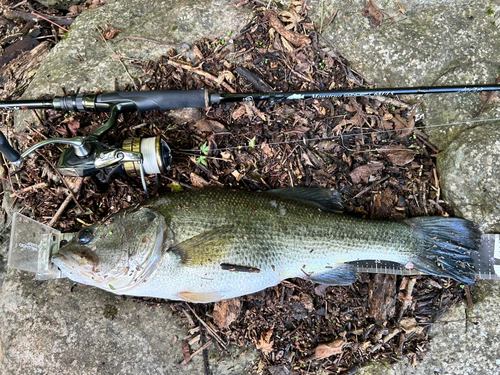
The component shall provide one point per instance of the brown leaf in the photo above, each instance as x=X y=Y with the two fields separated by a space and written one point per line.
x=326 y=350
x=320 y=290
x=72 y=126
x=373 y=13
x=185 y=351
x=239 y=112
x=398 y=155
x=297 y=39
x=198 y=53
x=401 y=7
x=365 y=171
x=265 y=344
x=110 y=32
x=145 y=240
x=226 y=312
x=408 y=324
x=209 y=126
x=198 y=181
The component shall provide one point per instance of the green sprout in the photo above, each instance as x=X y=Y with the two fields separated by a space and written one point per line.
x=202 y=159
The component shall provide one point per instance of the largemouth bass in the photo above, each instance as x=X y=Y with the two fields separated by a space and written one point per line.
x=213 y=244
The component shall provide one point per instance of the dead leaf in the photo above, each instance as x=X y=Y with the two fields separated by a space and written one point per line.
x=408 y=324
x=226 y=155
x=226 y=312
x=401 y=7
x=292 y=18
x=197 y=180
x=320 y=290
x=297 y=39
x=109 y=33
x=398 y=155
x=73 y=126
x=226 y=75
x=405 y=126
x=287 y=45
x=365 y=171
x=198 y=53
x=145 y=240
x=267 y=150
x=185 y=351
x=326 y=350
x=265 y=344
x=373 y=13
x=239 y=112
x=208 y=126
x=237 y=175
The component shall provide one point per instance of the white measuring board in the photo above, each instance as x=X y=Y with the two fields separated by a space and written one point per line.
x=487 y=262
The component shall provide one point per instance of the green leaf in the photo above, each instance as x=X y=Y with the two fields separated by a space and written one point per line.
x=202 y=160
x=204 y=149
x=111 y=287
x=252 y=143
x=175 y=186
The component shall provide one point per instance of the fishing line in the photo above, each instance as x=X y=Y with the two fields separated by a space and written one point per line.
x=305 y=140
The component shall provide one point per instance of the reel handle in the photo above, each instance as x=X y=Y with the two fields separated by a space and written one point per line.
x=6 y=149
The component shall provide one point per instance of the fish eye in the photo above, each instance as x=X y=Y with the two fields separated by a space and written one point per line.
x=84 y=237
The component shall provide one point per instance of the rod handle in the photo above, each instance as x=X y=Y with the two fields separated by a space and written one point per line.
x=6 y=149
x=158 y=100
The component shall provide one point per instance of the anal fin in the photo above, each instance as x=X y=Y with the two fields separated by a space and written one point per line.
x=343 y=274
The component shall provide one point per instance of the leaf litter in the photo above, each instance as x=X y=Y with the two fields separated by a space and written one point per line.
x=298 y=327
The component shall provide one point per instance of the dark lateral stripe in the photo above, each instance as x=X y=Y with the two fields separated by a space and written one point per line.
x=235 y=268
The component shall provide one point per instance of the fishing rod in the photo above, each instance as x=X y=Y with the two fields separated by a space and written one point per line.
x=144 y=156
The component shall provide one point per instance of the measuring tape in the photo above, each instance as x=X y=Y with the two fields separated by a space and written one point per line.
x=487 y=262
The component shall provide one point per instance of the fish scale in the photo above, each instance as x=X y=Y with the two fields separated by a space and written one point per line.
x=213 y=244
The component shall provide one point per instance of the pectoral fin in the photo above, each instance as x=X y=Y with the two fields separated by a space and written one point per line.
x=206 y=248
x=342 y=275
x=327 y=199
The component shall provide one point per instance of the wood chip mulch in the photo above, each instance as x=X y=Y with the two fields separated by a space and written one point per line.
x=367 y=148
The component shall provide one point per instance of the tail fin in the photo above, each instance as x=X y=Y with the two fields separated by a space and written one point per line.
x=448 y=245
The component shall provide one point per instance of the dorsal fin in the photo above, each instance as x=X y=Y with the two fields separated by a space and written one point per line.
x=327 y=199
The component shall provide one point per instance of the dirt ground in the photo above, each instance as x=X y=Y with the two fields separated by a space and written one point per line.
x=369 y=149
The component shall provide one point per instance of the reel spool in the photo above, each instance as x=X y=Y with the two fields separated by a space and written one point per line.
x=156 y=157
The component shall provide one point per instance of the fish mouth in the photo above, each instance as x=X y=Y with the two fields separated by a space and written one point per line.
x=76 y=257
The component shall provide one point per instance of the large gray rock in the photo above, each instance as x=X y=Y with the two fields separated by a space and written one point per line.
x=470 y=171
x=434 y=37
x=56 y=327
x=84 y=61
x=463 y=342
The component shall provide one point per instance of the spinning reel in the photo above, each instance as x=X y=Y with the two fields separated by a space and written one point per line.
x=89 y=156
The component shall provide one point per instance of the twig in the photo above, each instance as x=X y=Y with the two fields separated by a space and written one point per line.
x=68 y=199
x=52 y=22
x=206 y=345
x=201 y=73
x=119 y=58
x=208 y=328
x=29 y=188
x=370 y=187
x=12 y=14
